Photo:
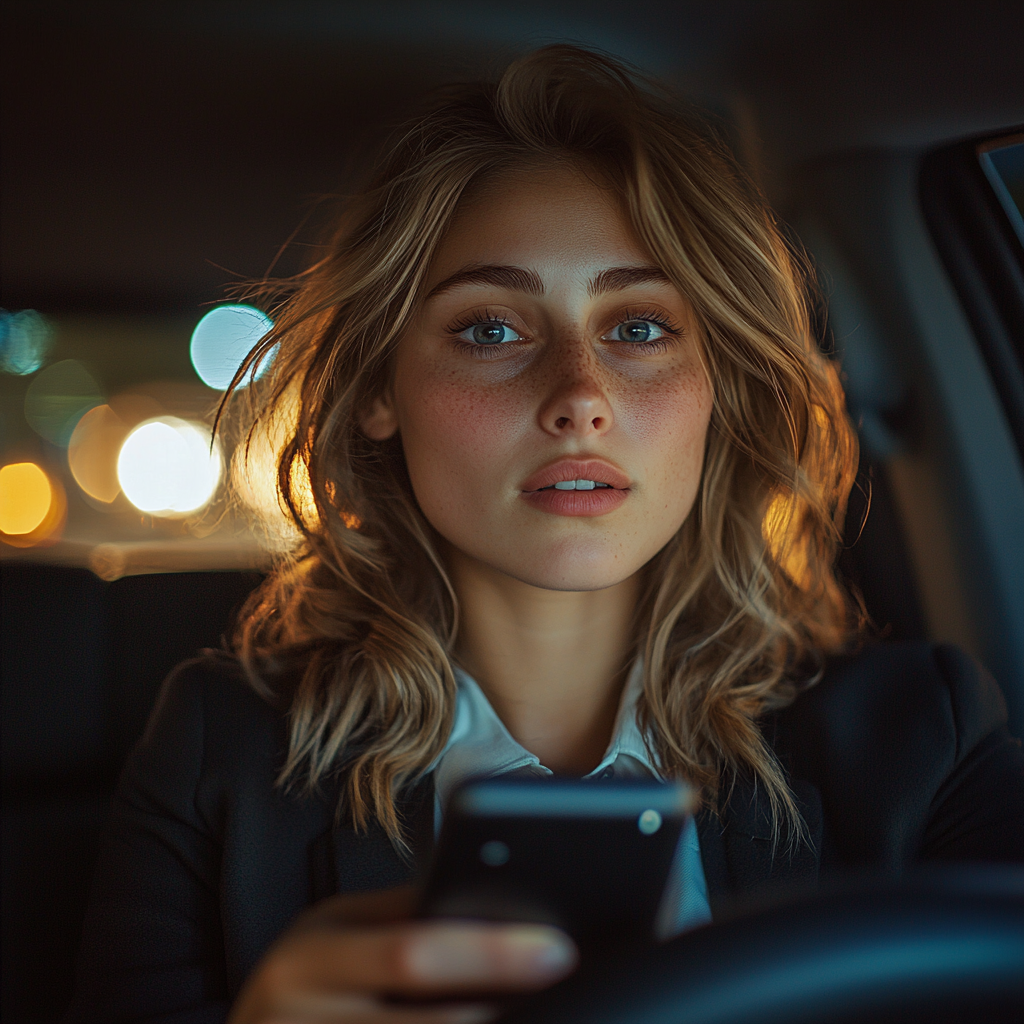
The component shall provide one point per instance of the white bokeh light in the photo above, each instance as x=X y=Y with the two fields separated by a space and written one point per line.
x=223 y=338
x=166 y=466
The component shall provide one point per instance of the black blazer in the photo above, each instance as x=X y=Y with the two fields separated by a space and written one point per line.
x=898 y=755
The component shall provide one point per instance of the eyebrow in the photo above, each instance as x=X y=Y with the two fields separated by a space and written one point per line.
x=619 y=278
x=514 y=279
x=518 y=279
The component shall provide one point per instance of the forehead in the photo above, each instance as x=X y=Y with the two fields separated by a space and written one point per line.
x=556 y=220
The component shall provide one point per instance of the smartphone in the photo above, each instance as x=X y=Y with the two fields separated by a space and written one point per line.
x=589 y=856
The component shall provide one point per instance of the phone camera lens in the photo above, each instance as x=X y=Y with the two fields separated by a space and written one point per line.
x=494 y=853
x=649 y=822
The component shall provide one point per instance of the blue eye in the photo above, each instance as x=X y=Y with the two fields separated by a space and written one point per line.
x=636 y=332
x=490 y=332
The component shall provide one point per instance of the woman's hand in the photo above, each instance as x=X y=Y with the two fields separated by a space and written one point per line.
x=341 y=961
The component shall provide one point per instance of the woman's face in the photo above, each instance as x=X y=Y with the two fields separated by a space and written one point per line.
x=549 y=395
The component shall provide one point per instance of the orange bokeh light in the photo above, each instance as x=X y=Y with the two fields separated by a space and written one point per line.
x=92 y=453
x=33 y=506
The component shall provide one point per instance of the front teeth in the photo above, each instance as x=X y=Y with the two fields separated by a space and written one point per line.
x=578 y=485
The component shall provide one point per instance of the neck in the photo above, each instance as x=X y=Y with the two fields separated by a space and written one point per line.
x=552 y=663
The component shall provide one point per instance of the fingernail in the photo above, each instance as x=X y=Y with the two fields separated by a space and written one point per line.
x=538 y=950
x=442 y=955
x=487 y=954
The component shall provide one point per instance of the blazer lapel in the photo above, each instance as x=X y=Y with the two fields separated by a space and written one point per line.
x=737 y=850
x=343 y=860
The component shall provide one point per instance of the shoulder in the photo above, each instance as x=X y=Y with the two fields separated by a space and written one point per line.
x=915 y=698
x=210 y=692
x=908 y=748
x=889 y=735
x=207 y=688
x=209 y=730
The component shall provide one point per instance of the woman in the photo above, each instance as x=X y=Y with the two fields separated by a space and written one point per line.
x=570 y=474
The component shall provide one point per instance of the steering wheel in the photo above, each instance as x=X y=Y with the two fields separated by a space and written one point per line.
x=945 y=946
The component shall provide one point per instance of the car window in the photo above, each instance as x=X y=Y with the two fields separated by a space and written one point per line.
x=1003 y=164
x=106 y=449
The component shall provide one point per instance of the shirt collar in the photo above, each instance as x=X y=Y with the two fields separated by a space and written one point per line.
x=480 y=745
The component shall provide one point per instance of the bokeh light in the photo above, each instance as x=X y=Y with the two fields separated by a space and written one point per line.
x=167 y=467
x=33 y=506
x=222 y=340
x=132 y=408
x=93 y=451
x=25 y=341
x=25 y=497
x=58 y=398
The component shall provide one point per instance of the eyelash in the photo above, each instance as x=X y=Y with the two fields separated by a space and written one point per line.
x=651 y=316
x=485 y=316
x=481 y=316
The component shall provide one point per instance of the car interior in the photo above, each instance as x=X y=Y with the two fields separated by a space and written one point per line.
x=157 y=156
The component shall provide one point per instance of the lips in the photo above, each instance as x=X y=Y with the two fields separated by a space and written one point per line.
x=539 y=491
x=599 y=471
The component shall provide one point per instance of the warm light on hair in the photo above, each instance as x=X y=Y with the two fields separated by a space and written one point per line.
x=784 y=536
x=254 y=474
x=740 y=606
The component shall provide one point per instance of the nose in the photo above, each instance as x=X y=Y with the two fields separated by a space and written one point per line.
x=576 y=403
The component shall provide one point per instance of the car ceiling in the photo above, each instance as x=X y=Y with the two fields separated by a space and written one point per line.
x=153 y=152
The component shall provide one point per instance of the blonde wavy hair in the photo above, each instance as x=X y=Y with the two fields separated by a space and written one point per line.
x=354 y=631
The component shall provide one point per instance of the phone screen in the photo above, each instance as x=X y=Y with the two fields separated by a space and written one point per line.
x=588 y=856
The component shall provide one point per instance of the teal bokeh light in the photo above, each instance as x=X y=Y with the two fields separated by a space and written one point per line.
x=223 y=338
x=58 y=398
x=25 y=341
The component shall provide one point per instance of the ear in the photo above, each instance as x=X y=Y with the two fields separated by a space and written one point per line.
x=379 y=422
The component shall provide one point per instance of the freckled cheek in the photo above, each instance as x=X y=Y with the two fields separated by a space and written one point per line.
x=457 y=439
x=669 y=426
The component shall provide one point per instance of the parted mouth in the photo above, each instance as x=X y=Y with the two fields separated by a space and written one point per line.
x=577 y=475
x=575 y=485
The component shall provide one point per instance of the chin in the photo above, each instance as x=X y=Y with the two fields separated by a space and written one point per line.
x=573 y=567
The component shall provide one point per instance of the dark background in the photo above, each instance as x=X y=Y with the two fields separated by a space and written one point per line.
x=148 y=145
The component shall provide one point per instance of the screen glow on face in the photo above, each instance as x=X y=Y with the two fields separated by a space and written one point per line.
x=549 y=394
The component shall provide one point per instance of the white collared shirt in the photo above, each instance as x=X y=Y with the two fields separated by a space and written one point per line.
x=480 y=744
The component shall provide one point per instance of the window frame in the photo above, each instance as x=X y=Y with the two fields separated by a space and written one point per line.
x=984 y=258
